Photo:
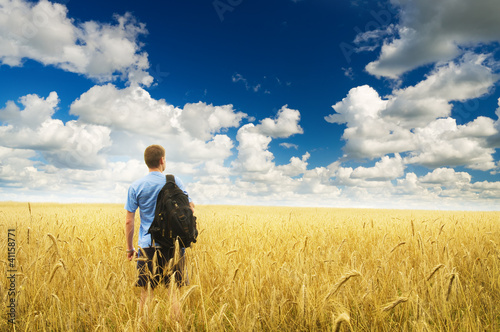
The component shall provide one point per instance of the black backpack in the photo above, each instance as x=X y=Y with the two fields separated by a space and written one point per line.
x=174 y=218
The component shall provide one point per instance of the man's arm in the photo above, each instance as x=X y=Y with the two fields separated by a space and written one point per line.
x=129 y=234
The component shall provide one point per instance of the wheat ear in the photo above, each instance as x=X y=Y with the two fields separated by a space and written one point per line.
x=340 y=319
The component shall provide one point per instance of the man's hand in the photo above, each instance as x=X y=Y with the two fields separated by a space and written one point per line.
x=130 y=254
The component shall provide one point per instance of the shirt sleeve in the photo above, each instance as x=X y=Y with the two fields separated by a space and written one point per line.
x=131 y=205
x=180 y=184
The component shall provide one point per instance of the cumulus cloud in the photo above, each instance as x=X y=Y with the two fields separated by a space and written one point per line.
x=253 y=154
x=284 y=125
x=72 y=145
x=297 y=166
x=43 y=32
x=202 y=121
x=362 y=102
x=433 y=31
x=418 y=105
x=416 y=120
x=253 y=140
x=192 y=133
x=368 y=134
x=385 y=169
x=443 y=143
x=445 y=188
x=41 y=171
x=36 y=181
x=445 y=177
x=131 y=109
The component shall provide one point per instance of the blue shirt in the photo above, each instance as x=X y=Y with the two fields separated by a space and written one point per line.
x=142 y=194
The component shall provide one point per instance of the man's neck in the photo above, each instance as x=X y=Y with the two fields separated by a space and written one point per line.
x=155 y=170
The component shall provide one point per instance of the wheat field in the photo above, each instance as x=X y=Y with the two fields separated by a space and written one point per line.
x=256 y=269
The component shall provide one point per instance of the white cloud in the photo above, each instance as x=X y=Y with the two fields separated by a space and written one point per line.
x=445 y=188
x=433 y=31
x=289 y=145
x=202 y=120
x=486 y=189
x=253 y=178
x=418 y=105
x=239 y=78
x=71 y=145
x=284 y=125
x=131 y=109
x=253 y=154
x=385 y=169
x=415 y=120
x=37 y=110
x=138 y=120
x=368 y=134
x=296 y=166
x=446 y=177
x=43 y=32
x=362 y=102
x=44 y=182
x=11 y=162
x=443 y=143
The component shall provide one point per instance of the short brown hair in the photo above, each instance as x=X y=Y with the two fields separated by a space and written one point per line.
x=153 y=155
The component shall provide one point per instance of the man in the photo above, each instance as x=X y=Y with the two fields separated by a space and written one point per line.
x=142 y=194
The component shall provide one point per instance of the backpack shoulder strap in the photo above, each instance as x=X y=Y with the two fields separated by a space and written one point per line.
x=170 y=178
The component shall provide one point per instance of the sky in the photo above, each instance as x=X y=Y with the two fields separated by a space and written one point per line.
x=346 y=103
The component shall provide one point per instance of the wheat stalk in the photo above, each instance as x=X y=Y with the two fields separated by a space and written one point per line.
x=342 y=281
x=434 y=271
x=54 y=242
x=340 y=246
x=235 y=273
x=399 y=244
x=453 y=275
x=441 y=229
x=222 y=312
x=63 y=264
x=56 y=267
x=187 y=293
x=109 y=281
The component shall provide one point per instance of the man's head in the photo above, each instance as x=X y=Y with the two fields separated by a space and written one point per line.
x=153 y=156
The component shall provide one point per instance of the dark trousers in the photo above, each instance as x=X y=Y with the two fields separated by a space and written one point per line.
x=158 y=265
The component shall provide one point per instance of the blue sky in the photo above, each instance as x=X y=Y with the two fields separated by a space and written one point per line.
x=389 y=104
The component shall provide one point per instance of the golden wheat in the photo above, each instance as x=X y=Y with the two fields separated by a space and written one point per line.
x=434 y=271
x=258 y=268
x=393 y=304
x=342 y=318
